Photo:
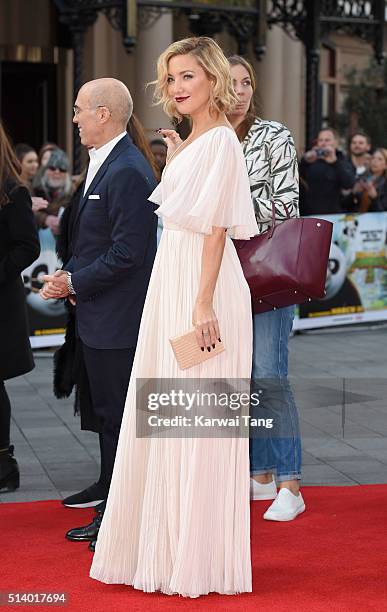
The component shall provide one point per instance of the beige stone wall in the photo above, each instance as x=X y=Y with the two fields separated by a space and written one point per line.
x=26 y=23
x=105 y=56
x=345 y=52
x=281 y=82
x=280 y=73
x=152 y=41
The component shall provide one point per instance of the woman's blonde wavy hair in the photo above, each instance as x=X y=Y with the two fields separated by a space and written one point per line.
x=213 y=61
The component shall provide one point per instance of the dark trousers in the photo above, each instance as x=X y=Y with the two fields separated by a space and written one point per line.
x=108 y=371
x=5 y=417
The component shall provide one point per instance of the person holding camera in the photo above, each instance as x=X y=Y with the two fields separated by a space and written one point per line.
x=370 y=191
x=325 y=173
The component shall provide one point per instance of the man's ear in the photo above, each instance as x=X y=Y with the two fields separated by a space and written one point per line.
x=104 y=114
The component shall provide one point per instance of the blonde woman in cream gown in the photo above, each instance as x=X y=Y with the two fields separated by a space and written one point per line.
x=177 y=516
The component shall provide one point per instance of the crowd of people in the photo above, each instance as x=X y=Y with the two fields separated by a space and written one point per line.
x=332 y=182
x=47 y=174
x=171 y=514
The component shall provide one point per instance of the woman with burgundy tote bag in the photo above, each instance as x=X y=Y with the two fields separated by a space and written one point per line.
x=273 y=172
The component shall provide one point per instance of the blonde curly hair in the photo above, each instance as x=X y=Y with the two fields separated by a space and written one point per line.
x=211 y=58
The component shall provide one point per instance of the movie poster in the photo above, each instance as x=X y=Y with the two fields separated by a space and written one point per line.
x=356 y=285
x=47 y=318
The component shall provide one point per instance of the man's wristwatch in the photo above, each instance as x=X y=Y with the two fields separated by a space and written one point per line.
x=70 y=284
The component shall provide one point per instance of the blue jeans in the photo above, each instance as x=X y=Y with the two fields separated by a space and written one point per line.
x=276 y=450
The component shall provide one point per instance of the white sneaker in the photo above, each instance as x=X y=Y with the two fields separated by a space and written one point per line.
x=285 y=507
x=261 y=492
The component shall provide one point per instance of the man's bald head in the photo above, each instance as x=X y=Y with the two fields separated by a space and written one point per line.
x=101 y=111
x=113 y=94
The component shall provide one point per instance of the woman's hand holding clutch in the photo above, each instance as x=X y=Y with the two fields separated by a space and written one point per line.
x=206 y=325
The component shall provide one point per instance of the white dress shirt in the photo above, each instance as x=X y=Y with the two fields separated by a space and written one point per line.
x=97 y=157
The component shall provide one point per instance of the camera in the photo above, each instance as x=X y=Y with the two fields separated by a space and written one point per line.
x=321 y=152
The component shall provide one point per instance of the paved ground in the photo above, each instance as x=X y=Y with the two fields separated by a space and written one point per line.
x=340 y=383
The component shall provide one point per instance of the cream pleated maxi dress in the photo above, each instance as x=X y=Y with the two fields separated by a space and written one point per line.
x=177 y=516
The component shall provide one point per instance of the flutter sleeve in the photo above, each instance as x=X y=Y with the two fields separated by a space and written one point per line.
x=207 y=186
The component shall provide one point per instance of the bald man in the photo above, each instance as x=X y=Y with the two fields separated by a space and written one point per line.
x=114 y=244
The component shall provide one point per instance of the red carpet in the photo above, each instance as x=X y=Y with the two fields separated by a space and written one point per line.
x=333 y=557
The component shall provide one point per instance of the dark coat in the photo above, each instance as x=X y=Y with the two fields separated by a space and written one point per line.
x=114 y=246
x=379 y=203
x=324 y=183
x=362 y=202
x=69 y=367
x=19 y=247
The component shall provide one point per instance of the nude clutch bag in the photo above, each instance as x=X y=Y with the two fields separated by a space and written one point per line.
x=188 y=353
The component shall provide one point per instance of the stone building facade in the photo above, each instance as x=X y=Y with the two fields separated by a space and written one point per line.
x=37 y=70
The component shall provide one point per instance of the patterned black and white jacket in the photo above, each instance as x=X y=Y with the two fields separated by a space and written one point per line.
x=272 y=167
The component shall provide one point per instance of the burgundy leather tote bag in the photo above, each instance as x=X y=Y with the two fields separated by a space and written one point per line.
x=287 y=264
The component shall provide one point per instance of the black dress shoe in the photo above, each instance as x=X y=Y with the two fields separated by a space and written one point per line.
x=92 y=545
x=9 y=470
x=90 y=497
x=88 y=533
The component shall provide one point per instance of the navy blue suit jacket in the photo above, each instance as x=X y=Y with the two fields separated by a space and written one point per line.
x=114 y=246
